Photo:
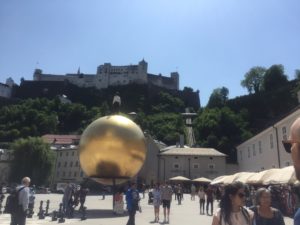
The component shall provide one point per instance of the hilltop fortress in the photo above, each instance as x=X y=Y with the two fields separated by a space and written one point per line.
x=108 y=75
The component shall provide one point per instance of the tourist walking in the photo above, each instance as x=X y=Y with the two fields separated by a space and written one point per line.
x=132 y=200
x=19 y=217
x=179 y=194
x=67 y=199
x=193 y=192
x=201 y=195
x=156 y=201
x=166 y=196
x=264 y=214
x=232 y=210
x=209 y=200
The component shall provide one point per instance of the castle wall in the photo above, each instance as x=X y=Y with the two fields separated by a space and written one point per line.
x=108 y=75
x=162 y=81
x=5 y=91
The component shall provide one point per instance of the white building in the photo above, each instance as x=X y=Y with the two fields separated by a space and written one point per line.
x=108 y=75
x=6 y=89
x=265 y=150
x=67 y=165
x=191 y=162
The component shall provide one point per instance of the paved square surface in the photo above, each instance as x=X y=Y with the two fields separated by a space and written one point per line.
x=100 y=212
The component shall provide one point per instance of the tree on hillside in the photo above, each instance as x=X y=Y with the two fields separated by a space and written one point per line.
x=274 y=78
x=167 y=103
x=254 y=79
x=33 y=158
x=218 y=98
x=222 y=129
x=166 y=127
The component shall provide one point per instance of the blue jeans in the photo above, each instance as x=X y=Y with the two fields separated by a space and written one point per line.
x=297 y=217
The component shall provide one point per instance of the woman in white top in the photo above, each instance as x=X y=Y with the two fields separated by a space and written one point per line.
x=156 y=201
x=232 y=211
x=201 y=195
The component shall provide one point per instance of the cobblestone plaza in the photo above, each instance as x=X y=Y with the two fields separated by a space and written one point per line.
x=100 y=212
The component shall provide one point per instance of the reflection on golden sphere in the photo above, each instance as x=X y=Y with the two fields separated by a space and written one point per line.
x=112 y=147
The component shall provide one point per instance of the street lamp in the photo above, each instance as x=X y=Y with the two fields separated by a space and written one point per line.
x=189 y=167
x=158 y=169
x=1 y=153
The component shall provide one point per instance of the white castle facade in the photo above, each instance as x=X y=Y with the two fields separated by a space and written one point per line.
x=108 y=75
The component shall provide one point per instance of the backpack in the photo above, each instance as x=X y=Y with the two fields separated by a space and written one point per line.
x=12 y=202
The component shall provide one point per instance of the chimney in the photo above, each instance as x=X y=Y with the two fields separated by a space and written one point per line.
x=181 y=141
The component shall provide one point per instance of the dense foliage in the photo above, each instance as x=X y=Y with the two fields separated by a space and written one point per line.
x=222 y=124
x=39 y=116
x=33 y=158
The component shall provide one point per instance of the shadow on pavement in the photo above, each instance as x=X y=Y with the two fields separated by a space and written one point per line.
x=100 y=213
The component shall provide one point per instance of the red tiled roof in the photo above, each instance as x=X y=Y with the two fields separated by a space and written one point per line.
x=61 y=139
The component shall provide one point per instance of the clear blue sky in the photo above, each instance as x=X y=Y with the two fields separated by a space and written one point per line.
x=211 y=43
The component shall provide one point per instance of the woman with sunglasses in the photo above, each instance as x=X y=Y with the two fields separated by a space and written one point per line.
x=264 y=214
x=232 y=210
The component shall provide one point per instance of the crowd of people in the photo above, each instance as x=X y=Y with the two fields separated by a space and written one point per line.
x=238 y=203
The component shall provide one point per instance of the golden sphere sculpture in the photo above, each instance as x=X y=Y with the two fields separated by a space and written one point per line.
x=112 y=150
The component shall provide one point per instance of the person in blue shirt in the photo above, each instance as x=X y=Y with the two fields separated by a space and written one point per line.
x=132 y=200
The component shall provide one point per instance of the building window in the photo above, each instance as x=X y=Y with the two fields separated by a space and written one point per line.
x=75 y=174
x=71 y=164
x=284 y=136
x=176 y=157
x=176 y=166
x=254 y=151
x=241 y=155
x=195 y=157
x=196 y=166
x=287 y=163
x=271 y=141
x=76 y=164
x=65 y=164
x=211 y=166
x=73 y=153
x=81 y=174
x=58 y=164
x=67 y=153
x=259 y=147
x=248 y=152
x=60 y=154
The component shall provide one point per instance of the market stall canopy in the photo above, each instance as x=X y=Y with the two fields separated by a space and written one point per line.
x=241 y=176
x=257 y=178
x=284 y=175
x=219 y=180
x=244 y=176
x=202 y=179
x=179 y=178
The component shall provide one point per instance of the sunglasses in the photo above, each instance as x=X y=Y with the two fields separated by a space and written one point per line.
x=241 y=195
x=287 y=144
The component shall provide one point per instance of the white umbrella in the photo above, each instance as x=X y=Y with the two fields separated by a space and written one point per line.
x=284 y=175
x=180 y=178
x=202 y=179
